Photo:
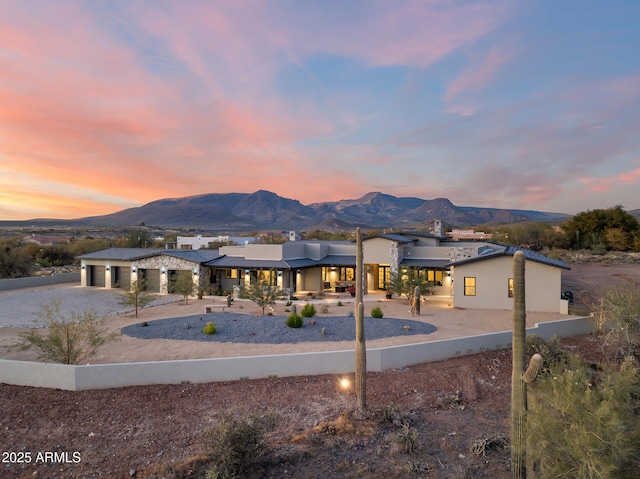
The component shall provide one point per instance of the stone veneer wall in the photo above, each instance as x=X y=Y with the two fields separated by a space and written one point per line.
x=394 y=257
x=169 y=263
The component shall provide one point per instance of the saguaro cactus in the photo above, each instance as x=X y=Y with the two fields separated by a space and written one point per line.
x=361 y=350
x=518 y=386
x=416 y=299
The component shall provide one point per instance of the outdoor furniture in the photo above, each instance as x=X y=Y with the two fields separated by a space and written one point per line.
x=210 y=308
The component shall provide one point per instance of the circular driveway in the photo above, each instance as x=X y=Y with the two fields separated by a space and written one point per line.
x=19 y=308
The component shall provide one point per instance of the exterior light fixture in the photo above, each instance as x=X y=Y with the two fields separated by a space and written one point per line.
x=134 y=269
x=83 y=266
x=195 y=271
x=345 y=383
x=107 y=268
x=163 y=270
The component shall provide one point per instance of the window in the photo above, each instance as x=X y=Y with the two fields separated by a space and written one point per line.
x=384 y=276
x=434 y=276
x=469 y=286
x=268 y=276
x=347 y=274
x=231 y=274
x=510 y=288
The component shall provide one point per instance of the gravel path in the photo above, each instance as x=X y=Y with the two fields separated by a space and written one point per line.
x=242 y=328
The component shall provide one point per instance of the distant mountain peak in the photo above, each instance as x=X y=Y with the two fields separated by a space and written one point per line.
x=231 y=212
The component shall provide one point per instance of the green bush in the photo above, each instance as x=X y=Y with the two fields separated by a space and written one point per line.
x=295 y=320
x=209 y=328
x=551 y=351
x=308 y=311
x=584 y=424
x=376 y=312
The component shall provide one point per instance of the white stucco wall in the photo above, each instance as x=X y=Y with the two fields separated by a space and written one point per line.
x=542 y=285
x=377 y=251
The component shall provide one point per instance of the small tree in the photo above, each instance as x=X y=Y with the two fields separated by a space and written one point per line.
x=137 y=296
x=404 y=283
x=183 y=285
x=203 y=286
x=66 y=338
x=263 y=294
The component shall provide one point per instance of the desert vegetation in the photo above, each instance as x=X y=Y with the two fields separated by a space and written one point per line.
x=67 y=338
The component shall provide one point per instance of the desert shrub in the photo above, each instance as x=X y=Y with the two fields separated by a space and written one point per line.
x=551 y=351
x=620 y=316
x=340 y=303
x=308 y=311
x=480 y=446
x=235 y=441
x=394 y=415
x=209 y=328
x=408 y=439
x=263 y=294
x=376 y=312
x=294 y=320
x=65 y=338
x=324 y=309
x=583 y=424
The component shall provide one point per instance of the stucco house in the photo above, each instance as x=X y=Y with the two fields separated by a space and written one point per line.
x=474 y=274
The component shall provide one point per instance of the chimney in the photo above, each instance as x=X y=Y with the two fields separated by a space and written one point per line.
x=437 y=227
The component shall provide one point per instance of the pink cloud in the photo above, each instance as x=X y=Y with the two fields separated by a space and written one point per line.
x=478 y=75
x=412 y=32
x=605 y=184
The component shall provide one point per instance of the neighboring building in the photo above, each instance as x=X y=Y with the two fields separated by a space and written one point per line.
x=208 y=242
x=470 y=235
x=473 y=274
x=45 y=240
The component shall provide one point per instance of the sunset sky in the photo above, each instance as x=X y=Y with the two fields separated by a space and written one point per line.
x=105 y=105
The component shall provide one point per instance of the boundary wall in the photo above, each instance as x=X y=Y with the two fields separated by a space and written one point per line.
x=103 y=376
x=35 y=281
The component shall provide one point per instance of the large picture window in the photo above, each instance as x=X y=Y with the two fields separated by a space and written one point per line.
x=469 y=286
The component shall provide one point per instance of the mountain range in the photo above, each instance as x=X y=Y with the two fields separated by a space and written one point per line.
x=228 y=212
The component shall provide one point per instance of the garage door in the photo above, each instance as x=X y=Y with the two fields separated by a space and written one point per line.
x=152 y=278
x=121 y=277
x=97 y=276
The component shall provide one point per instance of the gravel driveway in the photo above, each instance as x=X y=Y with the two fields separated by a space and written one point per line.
x=18 y=308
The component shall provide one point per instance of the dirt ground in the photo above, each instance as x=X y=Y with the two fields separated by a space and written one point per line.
x=423 y=420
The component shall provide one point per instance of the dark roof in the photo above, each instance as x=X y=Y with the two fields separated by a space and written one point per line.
x=422 y=234
x=337 y=260
x=510 y=251
x=425 y=263
x=239 y=262
x=398 y=237
x=199 y=255
x=301 y=263
x=132 y=254
x=121 y=254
